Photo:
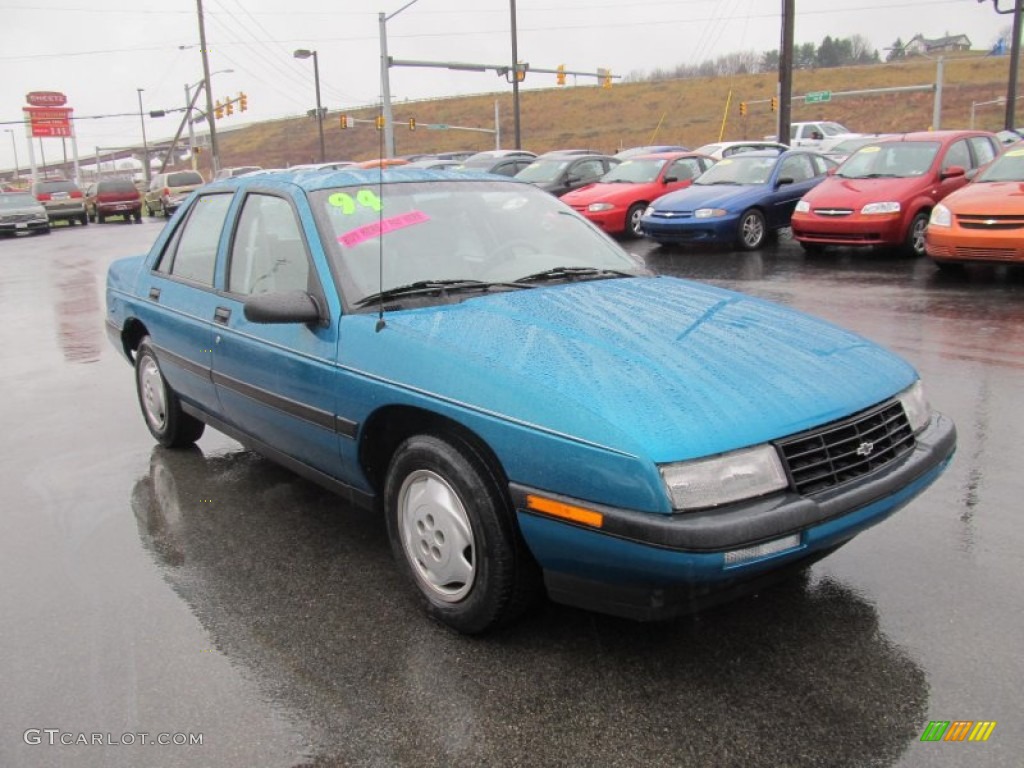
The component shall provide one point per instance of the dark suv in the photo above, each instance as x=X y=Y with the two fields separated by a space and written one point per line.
x=62 y=200
x=113 y=197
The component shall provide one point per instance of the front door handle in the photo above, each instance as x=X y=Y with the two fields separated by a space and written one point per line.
x=221 y=315
x=154 y=293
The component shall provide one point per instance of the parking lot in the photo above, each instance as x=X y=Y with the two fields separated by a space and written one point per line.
x=210 y=593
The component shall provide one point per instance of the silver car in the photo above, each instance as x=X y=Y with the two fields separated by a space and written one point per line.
x=21 y=212
x=62 y=199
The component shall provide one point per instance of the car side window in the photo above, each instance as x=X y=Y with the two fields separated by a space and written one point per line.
x=588 y=169
x=797 y=167
x=684 y=169
x=269 y=252
x=984 y=151
x=958 y=154
x=192 y=253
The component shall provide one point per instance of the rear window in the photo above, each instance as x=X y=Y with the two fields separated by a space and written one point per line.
x=184 y=179
x=116 y=186
x=54 y=186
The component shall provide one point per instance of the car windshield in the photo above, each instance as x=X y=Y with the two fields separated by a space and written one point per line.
x=56 y=186
x=708 y=149
x=542 y=170
x=892 y=159
x=16 y=200
x=739 y=169
x=183 y=179
x=634 y=171
x=848 y=146
x=476 y=233
x=1007 y=167
x=121 y=187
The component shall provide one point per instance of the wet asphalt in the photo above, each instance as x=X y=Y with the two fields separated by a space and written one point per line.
x=210 y=593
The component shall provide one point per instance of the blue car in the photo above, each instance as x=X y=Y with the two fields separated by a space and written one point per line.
x=740 y=200
x=525 y=405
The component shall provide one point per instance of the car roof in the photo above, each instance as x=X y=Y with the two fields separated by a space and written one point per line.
x=936 y=135
x=352 y=177
x=662 y=156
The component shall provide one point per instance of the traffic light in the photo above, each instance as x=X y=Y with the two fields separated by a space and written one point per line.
x=343 y=121
x=607 y=82
x=229 y=107
x=775 y=103
x=243 y=102
x=521 y=71
x=560 y=77
x=379 y=122
x=743 y=108
x=412 y=123
x=218 y=110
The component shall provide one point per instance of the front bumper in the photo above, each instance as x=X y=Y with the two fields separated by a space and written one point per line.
x=690 y=230
x=956 y=245
x=647 y=566
x=613 y=222
x=33 y=225
x=117 y=209
x=854 y=229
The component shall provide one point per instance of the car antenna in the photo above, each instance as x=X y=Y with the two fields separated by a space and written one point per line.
x=380 y=231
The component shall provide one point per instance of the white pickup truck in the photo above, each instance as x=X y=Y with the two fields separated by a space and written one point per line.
x=814 y=134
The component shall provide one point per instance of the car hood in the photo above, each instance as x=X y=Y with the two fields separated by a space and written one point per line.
x=654 y=367
x=838 y=192
x=709 y=196
x=609 y=193
x=988 y=198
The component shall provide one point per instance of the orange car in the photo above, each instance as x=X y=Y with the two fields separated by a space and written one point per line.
x=982 y=222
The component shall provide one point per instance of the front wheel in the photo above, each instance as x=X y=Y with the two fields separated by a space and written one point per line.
x=633 y=215
x=167 y=422
x=453 y=533
x=753 y=230
x=915 y=235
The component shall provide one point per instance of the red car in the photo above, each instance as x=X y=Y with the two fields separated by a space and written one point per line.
x=884 y=193
x=113 y=197
x=616 y=202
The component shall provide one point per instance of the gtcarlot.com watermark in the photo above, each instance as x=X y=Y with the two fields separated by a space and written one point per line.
x=56 y=737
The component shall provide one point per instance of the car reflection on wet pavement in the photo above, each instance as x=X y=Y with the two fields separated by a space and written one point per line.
x=211 y=591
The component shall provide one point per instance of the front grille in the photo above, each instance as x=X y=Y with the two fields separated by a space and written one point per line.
x=14 y=218
x=999 y=254
x=833 y=211
x=845 y=450
x=994 y=223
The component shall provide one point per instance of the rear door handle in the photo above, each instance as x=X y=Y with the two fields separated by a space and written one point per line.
x=154 y=293
x=221 y=315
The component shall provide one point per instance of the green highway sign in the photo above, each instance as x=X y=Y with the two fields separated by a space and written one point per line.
x=437 y=127
x=817 y=97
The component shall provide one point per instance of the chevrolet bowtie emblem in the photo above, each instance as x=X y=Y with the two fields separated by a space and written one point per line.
x=865 y=449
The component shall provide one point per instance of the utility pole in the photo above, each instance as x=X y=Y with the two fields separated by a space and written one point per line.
x=515 y=78
x=786 y=71
x=214 y=154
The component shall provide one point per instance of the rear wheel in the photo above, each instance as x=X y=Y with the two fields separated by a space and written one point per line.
x=453 y=533
x=84 y=219
x=167 y=422
x=100 y=218
x=752 y=231
x=915 y=235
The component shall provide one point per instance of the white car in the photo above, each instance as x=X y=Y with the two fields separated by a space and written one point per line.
x=817 y=133
x=720 y=149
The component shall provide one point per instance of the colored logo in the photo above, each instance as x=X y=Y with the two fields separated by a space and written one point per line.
x=958 y=730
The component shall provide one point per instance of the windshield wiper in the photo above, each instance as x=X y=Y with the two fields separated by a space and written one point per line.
x=572 y=273
x=441 y=287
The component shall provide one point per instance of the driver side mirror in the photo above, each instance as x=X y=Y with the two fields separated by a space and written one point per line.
x=953 y=171
x=785 y=180
x=282 y=307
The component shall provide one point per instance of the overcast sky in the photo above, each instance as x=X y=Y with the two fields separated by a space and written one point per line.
x=99 y=52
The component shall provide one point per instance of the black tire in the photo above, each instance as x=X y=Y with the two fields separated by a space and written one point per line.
x=752 y=231
x=633 y=220
x=453 y=534
x=137 y=216
x=84 y=219
x=161 y=409
x=100 y=218
x=914 y=244
x=148 y=210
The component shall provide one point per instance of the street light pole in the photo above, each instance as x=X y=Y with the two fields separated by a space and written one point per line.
x=385 y=80
x=515 y=78
x=14 y=146
x=302 y=53
x=145 y=145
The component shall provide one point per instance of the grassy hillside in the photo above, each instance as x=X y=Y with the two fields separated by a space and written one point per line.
x=689 y=112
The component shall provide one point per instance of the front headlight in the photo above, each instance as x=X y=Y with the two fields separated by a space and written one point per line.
x=803 y=207
x=916 y=406
x=709 y=213
x=596 y=207
x=941 y=216
x=734 y=476
x=887 y=207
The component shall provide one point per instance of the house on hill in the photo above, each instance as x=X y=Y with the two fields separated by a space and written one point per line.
x=919 y=44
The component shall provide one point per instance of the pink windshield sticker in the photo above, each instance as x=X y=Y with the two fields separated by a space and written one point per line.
x=370 y=231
